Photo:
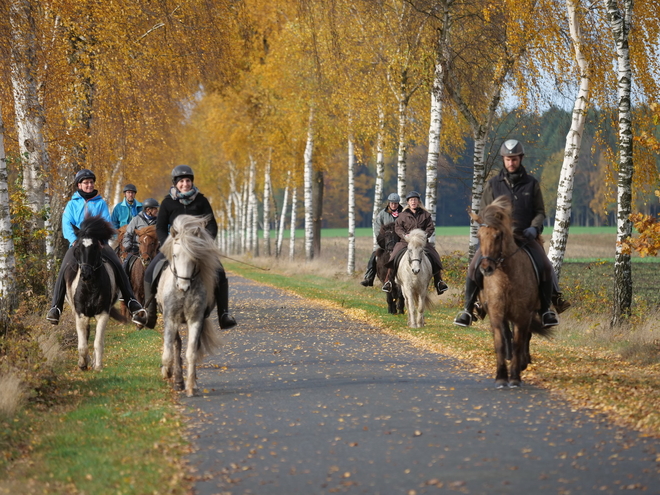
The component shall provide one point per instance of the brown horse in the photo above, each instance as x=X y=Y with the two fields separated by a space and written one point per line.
x=119 y=249
x=510 y=290
x=148 y=245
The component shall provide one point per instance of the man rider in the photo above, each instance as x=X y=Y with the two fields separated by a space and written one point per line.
x=526 y=198
x=124 y=212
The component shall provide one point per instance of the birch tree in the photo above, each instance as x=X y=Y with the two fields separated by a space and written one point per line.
x=292 y=237
x=307 y=189
x=380 y=172
x=267 y=196
x=7 y=260
x=350 y=269
x=280 y=230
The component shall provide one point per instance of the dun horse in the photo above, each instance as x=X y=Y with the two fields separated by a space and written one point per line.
x=186 y=296
x=91 y=288
x=414 y=274
x=387 y=239
x=510 y=292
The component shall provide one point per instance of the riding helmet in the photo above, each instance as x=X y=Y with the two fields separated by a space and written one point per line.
x=394 y=198
x=150 y=203
x=130 y=187
x=413 y=194
x=181 y=172
x=512 y=147
x=84 y=174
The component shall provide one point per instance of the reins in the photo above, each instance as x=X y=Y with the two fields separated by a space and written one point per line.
x=498 y=262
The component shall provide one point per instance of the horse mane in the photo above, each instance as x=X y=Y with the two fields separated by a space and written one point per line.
x=97 y=228
x=416 y=238
x=196 y=241
x=498 y=215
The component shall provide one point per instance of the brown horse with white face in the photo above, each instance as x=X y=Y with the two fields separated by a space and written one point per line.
x=510 y=290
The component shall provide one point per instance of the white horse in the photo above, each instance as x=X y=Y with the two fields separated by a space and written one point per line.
x=185 y=294
x=413 y=275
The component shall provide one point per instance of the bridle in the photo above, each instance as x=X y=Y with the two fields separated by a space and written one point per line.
x=82 y=264
x=500 y=259
x=411 y=260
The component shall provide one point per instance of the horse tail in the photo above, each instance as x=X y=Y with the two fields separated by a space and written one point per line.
x=537 y=328
x=209 y=340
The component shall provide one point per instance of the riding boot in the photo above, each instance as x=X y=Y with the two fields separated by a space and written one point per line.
x=225 y=320
x=548 y=317
x=439 y=284
x=387 y=286
x=466 y=317
x=370 y=274
x=59 y=291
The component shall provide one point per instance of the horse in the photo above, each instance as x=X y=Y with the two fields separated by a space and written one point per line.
x=148 y=248
x=119 y=248
x=387 y=238
x=510 y=291
x=413 y=274
x=91 y=289
x=186 y=295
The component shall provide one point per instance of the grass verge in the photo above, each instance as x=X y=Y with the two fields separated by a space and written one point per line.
x=615 y=372
x=114 y=431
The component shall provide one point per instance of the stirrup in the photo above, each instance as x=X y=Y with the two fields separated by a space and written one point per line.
x=387 y=286
x=461 y=321
x=441 y=287
x=52 y=317
x=549 y=319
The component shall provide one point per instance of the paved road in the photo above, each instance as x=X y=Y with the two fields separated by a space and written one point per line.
x=303 y=400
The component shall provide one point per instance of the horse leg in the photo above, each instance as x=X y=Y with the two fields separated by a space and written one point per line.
x=508 y=340
x=519 y=343
x=177 y=364
x=99 y=340
x=168 y=343
x=194 y=334
x=501 y=374
x=82 y=329
x=391 y=302
x=400 y=300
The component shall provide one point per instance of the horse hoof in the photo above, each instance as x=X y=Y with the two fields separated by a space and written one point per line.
x=514 y=384
x=178 y=386
x=501 y=384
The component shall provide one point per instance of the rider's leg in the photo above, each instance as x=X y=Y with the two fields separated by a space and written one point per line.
x=225 y=320
x=436 y=266
x=59 y=291
x=151 y=276
x=465 y=317
x=548 y=316
x=558 y=301
x=387 y=286
x=138 y=314
x=371 y=271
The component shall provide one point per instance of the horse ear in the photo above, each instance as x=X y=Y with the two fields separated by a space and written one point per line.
x=75 y=229
x=173 y=232
x=475 y=218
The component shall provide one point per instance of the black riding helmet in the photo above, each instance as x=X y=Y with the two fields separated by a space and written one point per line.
x=150 y=203
x=84 y=174
x=413 y=194
x=512 y=147
x=130 y=187
x=181 y=172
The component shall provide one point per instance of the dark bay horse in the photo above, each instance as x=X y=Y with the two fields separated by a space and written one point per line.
x=186 y=296
x=91 y=289
x=387 y=239
x=148 y=248
x=510 y=291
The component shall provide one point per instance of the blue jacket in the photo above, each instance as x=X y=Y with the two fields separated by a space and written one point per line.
x=76 y=210
x=123 y=213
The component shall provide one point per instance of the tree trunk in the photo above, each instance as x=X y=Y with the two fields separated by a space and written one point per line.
x=307 y=190
x=252 y=214
x=620 y=24
x=280 y=230
x=317 y=210
x=30 y=117
x=351 y=208
x=380 y=172
x=573 y=146
x=267 y=194
x=8 y=297
x=292 y=240
x=434 y=145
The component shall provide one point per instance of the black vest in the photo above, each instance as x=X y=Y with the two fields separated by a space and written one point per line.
x=521 y=195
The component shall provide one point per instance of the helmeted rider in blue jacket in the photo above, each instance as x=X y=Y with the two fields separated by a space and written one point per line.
x=124 y=212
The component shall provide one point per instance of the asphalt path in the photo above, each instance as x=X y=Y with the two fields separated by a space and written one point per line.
x=304 y=400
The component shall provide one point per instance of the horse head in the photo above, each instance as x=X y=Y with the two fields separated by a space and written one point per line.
x=93 y=233
x=415 y=251
x=495 y=234
x=148 y=244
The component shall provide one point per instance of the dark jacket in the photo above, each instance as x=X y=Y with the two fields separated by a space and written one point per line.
x=525 y=196
x=172 y=208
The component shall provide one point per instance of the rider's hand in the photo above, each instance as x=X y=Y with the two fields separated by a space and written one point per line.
x=531 y=233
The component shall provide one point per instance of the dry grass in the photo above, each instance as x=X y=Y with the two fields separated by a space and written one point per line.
x=12 y=394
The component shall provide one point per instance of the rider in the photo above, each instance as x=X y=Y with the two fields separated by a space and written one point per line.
x=123 y=212
x=185 y=199
x=143 y=219
x=87 y=201
x=384 y=217
x=524 y=191
x=415 y=216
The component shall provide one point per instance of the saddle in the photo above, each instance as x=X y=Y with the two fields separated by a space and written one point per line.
x=129 y=262
x=537 y=261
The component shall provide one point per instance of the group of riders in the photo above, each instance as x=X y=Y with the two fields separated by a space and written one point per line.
x=528 y=211
x=184 y=198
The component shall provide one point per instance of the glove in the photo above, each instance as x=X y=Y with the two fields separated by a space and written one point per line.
x=530 y=233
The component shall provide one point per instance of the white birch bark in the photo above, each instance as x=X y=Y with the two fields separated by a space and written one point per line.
x=620 y=24
x=433 y=157
x=244 y=217
x=307 y=190
x=8 y=296
x=573 y=145
x=380 y=172
x=30 y=115
x=252 y=207
x=112 y=189
x=267 y=194
x=351 y=207
x=280 y=230
x=401 y=164
x=292 y=240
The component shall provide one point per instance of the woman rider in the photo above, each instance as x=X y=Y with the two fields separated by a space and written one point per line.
x=87 y=201
x=415 y=216
x=184 y=199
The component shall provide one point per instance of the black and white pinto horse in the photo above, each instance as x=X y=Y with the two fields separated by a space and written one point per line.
x=413 y=275
x=91 y=289
x=186 y=296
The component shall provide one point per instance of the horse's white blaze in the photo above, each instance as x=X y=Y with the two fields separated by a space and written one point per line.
x=87 y=242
